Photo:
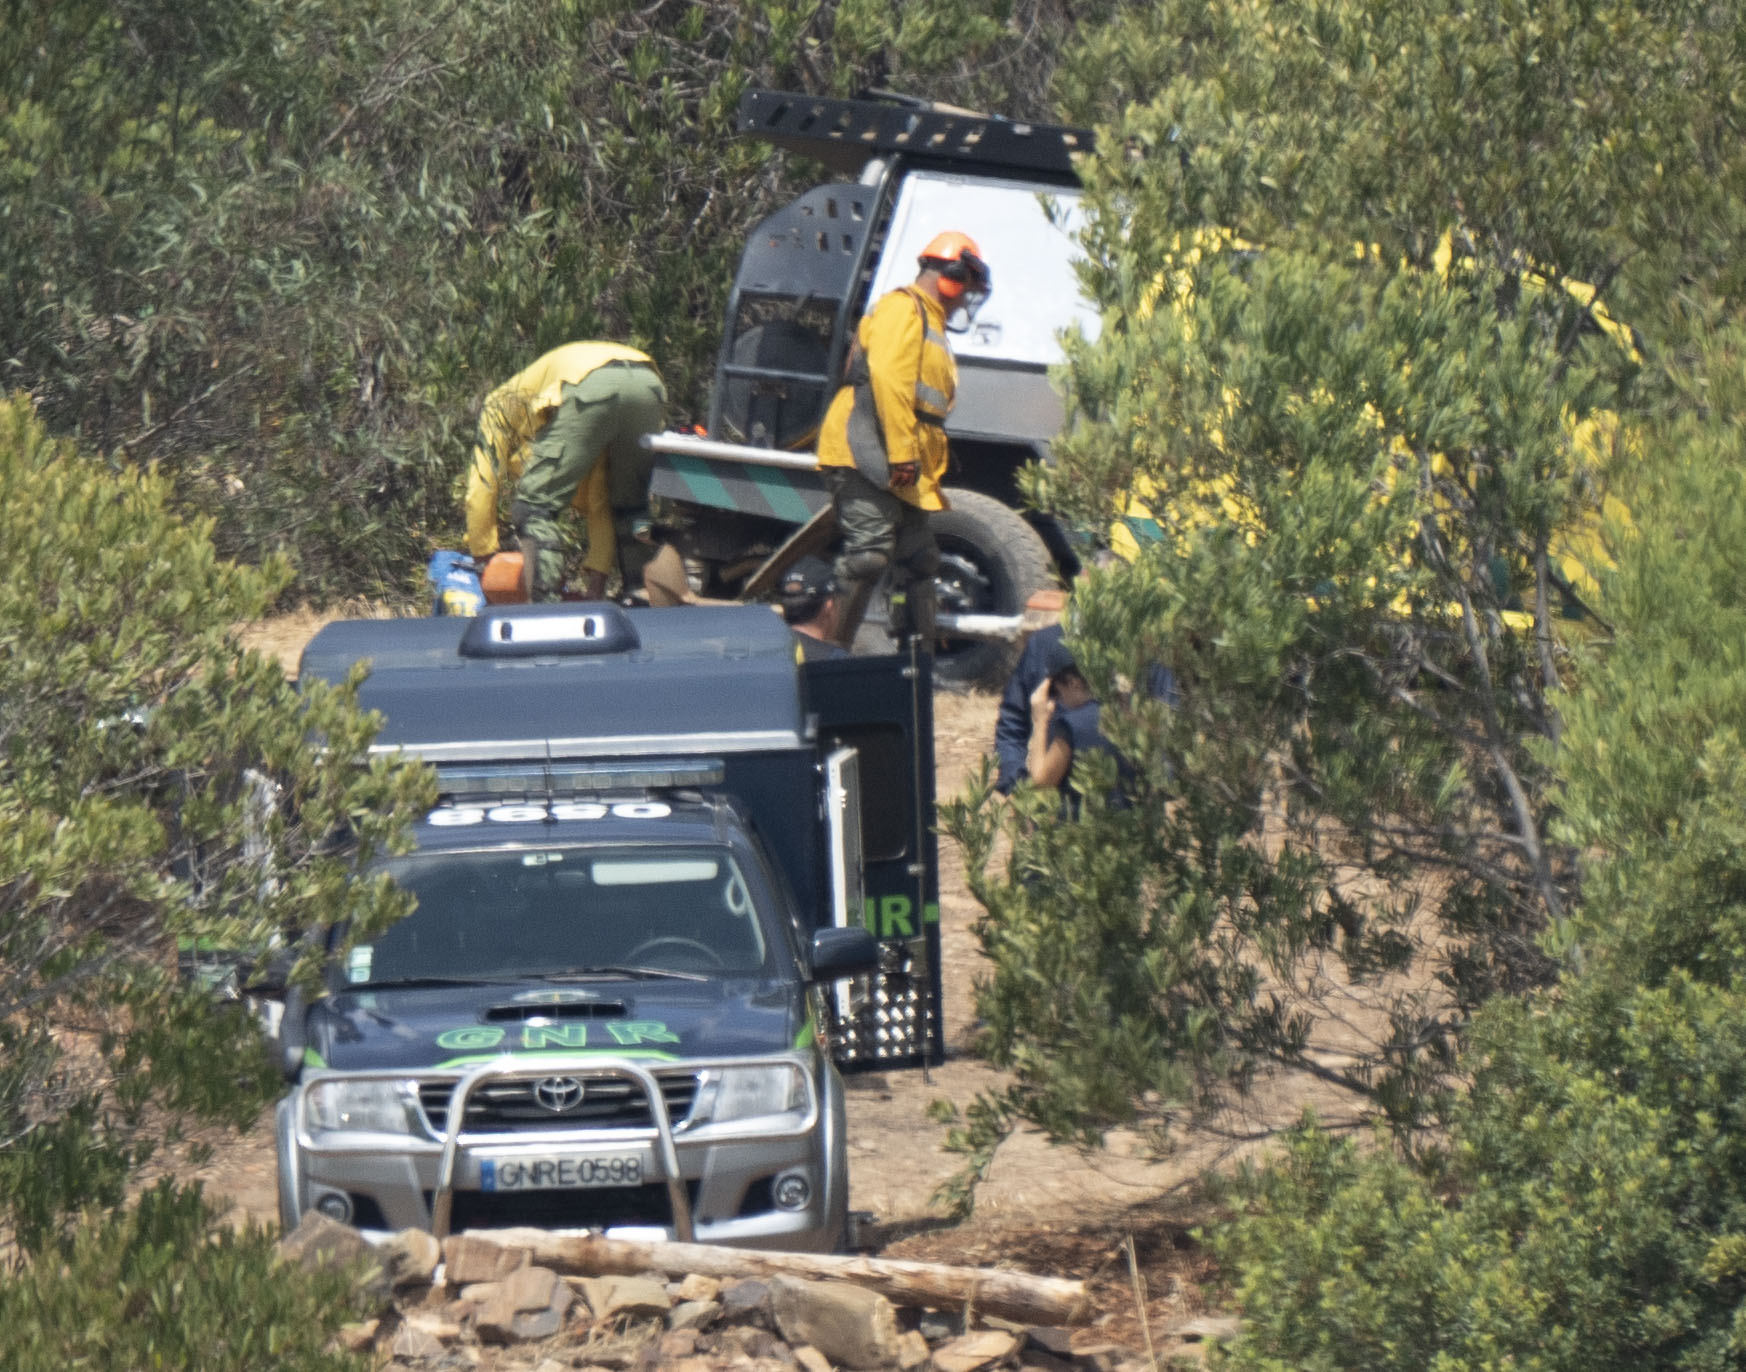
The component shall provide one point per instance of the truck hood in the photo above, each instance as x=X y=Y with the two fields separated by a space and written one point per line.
x=453 y=1026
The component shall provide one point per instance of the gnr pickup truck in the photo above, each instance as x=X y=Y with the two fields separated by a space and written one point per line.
x=677 y=881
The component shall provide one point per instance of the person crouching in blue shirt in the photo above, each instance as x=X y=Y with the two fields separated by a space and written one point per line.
x=1064 y=726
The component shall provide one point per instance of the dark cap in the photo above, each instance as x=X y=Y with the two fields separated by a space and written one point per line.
x=808 y=579
x=1058 y=658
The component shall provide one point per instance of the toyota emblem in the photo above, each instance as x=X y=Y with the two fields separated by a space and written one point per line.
x=557 y=1094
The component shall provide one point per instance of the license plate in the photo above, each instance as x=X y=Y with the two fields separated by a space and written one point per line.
x=560 y=1173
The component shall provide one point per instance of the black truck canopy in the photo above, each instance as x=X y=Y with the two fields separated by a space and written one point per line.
x=573 y=681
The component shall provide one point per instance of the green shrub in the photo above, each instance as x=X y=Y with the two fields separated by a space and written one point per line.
x=137 y=743
x=166 y=1285
x=1588 y=1208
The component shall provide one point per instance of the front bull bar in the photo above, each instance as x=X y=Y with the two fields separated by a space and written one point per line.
x=455 y=1138
x=443 y=1201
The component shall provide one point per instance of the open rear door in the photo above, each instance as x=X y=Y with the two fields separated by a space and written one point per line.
x=843 y=817
x=848 y=885
x=882 y=708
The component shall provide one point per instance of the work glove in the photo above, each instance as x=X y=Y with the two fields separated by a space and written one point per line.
x=904 y=475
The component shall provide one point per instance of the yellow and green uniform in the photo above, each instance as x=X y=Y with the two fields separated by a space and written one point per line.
x=892 y=409
x=899 y=413
x=542 y=434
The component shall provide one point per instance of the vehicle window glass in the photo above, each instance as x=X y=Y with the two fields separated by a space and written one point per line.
x=515 y=912
x=887 y=788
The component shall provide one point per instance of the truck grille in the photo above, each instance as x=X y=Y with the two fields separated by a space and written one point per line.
x=606 y=1102
x=592 y=1208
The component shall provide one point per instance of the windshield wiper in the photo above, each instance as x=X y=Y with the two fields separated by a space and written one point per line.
x=617 y=970
x=403 y=983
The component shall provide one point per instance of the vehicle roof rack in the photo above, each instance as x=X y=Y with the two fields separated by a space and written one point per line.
x=844 y=134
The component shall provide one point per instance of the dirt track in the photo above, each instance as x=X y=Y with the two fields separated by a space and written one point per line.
x=1042 y=1209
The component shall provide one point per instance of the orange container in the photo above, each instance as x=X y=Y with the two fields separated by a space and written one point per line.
x=501 y=579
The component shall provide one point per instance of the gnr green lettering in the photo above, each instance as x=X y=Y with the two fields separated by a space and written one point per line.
x=471 y=1038
x=554 y=1036
x=633 y=1031
x=894 y=917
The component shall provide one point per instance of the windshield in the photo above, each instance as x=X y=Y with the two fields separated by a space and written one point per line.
x=552 y=911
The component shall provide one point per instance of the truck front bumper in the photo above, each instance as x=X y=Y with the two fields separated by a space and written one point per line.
x=778 y=1184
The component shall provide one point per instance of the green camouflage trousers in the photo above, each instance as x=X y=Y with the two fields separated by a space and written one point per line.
x=880 y=532
x=602 y=416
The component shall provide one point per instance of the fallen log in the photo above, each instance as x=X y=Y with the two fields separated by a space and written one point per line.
x=994 y=1291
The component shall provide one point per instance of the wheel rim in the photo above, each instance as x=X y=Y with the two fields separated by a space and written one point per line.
x=964 y=584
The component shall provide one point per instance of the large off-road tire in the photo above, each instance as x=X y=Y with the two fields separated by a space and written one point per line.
x=991 y=561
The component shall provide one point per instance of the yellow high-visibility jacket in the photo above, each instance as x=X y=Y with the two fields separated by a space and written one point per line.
x=510 y=419
x=912 y=384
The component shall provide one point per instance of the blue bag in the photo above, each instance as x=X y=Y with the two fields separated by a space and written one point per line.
x=455 y=577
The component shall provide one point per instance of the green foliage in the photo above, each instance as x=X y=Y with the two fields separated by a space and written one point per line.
x=1595 y=1163
x=157 y=784
x=1596 y=141
x=283 y=248
x=1650 y=758
x=164 y=1285
x=1369 y=463
x=1349 y=364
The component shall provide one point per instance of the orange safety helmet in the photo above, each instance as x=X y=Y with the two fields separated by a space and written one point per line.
x=959 y=262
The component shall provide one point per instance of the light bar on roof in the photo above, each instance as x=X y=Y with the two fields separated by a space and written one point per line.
x=516 y=631
x=570 y=778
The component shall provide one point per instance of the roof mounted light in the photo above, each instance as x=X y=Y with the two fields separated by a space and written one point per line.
x=592 y=629
x=556 y=779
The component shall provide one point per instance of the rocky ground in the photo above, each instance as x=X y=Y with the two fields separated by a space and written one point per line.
x=1118 y=1219
x=490 y=1303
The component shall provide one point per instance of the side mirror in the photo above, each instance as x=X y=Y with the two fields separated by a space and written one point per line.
x=293 y=1033
x=845 y=952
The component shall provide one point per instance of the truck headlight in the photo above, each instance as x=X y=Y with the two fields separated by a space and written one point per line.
x=369 y=1107
x=739 y=1093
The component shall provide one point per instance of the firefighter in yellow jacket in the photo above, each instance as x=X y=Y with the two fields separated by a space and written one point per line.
x=565 y=432
x=882 y=446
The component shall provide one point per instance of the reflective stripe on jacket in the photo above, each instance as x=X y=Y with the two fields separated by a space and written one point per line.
x=511 y=417
x=911 y=383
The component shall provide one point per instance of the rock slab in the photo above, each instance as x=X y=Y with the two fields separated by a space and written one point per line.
x=697 y=1287
x=319 y=1242
x=631 y=1297
x=746 y=1301
x=968 y=1352
x=849 y=1325
x=413 y=1343
x=811 y=1360
x=530 y=1303
x=694 y=1315
x=468 y=1261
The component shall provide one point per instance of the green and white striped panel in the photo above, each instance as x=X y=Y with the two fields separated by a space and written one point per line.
x=772 y=492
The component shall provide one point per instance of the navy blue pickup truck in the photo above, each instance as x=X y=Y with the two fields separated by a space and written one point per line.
x=676 y=879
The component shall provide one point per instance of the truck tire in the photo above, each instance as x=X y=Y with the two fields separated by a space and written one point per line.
x=991 y=562
x=285 y=1134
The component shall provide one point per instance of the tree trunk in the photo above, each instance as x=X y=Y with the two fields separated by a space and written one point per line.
x=1015 y=1296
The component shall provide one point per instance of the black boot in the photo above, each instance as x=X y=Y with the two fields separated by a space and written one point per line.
x=852 y=609
x=924 y=606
